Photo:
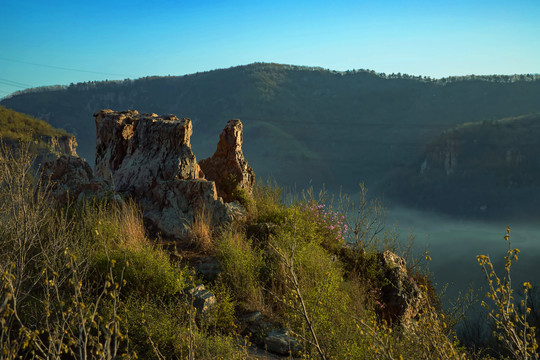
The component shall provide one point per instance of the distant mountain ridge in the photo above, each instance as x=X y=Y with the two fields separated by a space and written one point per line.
x=301 y=124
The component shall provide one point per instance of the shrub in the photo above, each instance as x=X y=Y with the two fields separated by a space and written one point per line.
x=512 y=327
x=150 y=271
x=268 y=206
x=242 y=266
x=221 y=316
x=157 y=329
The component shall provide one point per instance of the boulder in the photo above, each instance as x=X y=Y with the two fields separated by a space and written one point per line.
x=282 y=343
x=228 y=167
x=70 y=177
x=400 y=295
x=202 y=299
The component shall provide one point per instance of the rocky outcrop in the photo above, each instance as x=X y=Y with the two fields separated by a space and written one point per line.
x=400 y=296
x=227 y=167
x=150 y=158
x=70 y=177
x=62 y=145
x=138 y=149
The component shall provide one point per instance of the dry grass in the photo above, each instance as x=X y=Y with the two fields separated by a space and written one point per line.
x=201 y=231
x=131 y=225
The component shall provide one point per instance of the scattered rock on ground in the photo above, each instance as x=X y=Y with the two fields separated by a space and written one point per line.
x=202 y=299
x=252 y=317
x=282 y=343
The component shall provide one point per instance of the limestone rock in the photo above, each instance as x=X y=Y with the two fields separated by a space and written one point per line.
x=64 y=145
x=72 y=178
x=228 y=167
x=401 y=296
x=150 y=158
x=202 y=299
x=282 y=343
x=137 y=150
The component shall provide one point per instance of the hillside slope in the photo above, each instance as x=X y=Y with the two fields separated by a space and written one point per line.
x=45 y=141
x=300 y=123
x=489 y=169
x=18 y=126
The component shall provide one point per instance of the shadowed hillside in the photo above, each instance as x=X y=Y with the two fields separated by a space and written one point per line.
x=301 y=124
x=484 y=169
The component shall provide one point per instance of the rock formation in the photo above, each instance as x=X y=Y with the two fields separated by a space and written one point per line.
x=137 y=150
x=150 y=158
x=227 y=167
x=64 y=145
x=71 y=177
x=400 y=294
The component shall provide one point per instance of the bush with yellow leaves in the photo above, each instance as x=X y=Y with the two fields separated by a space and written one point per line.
x=512 y=328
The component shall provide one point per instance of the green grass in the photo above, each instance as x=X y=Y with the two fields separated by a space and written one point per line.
x=18 y=126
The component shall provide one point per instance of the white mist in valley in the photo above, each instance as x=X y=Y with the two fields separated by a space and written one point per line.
x=453 y=245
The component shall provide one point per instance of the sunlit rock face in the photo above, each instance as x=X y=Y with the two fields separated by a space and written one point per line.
x=149 y=157
x=136 y=150
x=228 y=167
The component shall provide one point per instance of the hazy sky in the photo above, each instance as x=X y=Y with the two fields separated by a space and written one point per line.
x=58 y=42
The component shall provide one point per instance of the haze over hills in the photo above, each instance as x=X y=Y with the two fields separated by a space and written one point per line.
x=479 y=168
x=306 y=124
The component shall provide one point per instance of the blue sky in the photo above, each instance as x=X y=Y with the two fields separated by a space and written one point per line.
x=59 y=42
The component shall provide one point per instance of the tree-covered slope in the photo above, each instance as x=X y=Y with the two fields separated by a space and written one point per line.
x=301 y=124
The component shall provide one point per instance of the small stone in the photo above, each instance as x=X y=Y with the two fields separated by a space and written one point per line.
x=252 y=317
x=202 y=299
x=281 y=343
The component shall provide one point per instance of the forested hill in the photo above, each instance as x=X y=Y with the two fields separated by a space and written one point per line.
x=478 y=169
x=301 y=124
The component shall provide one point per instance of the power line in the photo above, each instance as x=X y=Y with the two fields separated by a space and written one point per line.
x=60 y=67
x=13 y=83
